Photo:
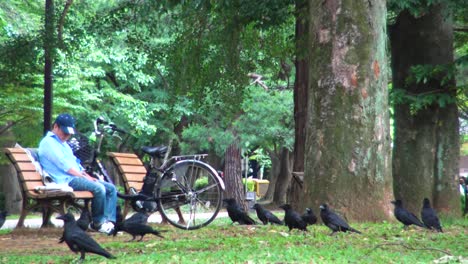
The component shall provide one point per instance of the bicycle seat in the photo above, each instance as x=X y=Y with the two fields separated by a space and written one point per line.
x=155 y=152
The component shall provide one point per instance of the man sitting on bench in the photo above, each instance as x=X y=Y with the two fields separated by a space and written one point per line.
x=56 y=157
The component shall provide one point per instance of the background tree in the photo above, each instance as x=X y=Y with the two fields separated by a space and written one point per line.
x=426 y=148
x=300 y=101
x=347 y=159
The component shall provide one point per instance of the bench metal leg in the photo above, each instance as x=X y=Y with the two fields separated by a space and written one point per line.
x=24 y=213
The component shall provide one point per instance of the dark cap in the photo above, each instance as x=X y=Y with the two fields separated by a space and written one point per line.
x=66 y=122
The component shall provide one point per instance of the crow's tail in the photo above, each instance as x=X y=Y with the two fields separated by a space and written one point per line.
x=354 y=230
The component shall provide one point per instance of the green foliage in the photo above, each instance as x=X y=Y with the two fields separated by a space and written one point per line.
x=250 y=184
x=266 y=121
x=200 y=183
x=436 y=81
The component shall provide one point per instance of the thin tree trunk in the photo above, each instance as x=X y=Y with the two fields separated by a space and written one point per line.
x=284 y=177
x=426 y=150
x=232 y=174
x=274 y=172
x=295 y=191
x=347 y=158
x=49 y=45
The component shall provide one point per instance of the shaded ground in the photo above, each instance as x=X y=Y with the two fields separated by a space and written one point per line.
x=30 y=240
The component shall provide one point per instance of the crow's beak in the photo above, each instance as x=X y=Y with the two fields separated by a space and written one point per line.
x=60 y=217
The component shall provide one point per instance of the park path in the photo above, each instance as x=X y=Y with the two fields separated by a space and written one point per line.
x=36 y=222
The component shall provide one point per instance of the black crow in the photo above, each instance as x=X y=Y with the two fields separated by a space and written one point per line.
x=236 y=213
x=266 y=216
x=429 y=216
x=136 y=229
x=3 y=215
x=309 y=217
x=334 y=221
x=139 y=217
x=405 y=216
x=293 y=219
x=77 y=239
x=85 y=218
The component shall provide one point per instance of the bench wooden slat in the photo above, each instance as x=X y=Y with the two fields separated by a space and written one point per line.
x=134 y=177
x=30 y=176
x=132 y=169
x=129 y=161
x=121 y=154
x=31 y=185
x=26 y=166
x=82 y=195
x=20 y=156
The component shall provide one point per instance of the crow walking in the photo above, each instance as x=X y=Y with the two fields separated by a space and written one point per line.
x=334 y=221
x=237 y=214
x=136 y=229
x=77 y=239
x=139 y=217
x=429 y=216
x=293 y=219
x=266 y=216
x=85 y=218
x=405 y=216
x=309 y=217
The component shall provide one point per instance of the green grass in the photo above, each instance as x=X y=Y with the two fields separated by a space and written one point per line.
x=221 y=242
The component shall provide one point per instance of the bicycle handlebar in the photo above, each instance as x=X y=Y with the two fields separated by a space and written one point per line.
x=113 y=127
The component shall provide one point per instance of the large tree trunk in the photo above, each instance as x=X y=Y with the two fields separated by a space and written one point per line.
x=284 y=177
x=347 y=158
x=295 y=191
x=232 y=174
x=426 y=150
x=10 y=187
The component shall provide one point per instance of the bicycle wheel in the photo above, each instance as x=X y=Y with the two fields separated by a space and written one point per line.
x=190 y=194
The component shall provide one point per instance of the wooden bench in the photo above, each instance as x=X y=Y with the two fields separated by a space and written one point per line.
x=132 y=172
x=29 y=179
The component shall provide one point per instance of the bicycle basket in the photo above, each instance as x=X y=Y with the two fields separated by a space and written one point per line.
x=81 y=148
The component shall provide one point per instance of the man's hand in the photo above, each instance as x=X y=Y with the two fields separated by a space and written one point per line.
x=89 y=177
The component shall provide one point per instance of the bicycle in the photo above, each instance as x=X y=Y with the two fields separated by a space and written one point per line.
x=89 y=153
x=187 y=191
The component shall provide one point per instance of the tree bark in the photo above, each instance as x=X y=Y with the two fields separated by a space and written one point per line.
x=49 y=45
x=284 y=177
x=295 y=191
x=10 y=187
x=347 y=150
x=274 y=173
x=426 y=150
x=232 y=174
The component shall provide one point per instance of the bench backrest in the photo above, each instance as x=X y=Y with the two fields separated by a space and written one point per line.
x=131 y=169
x=27 y=175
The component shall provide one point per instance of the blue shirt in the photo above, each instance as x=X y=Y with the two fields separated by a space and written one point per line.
x=56 y=157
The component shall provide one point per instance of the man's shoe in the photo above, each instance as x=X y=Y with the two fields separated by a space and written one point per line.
x=106 y=227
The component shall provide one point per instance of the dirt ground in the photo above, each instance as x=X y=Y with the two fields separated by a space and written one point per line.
x=30 y=240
